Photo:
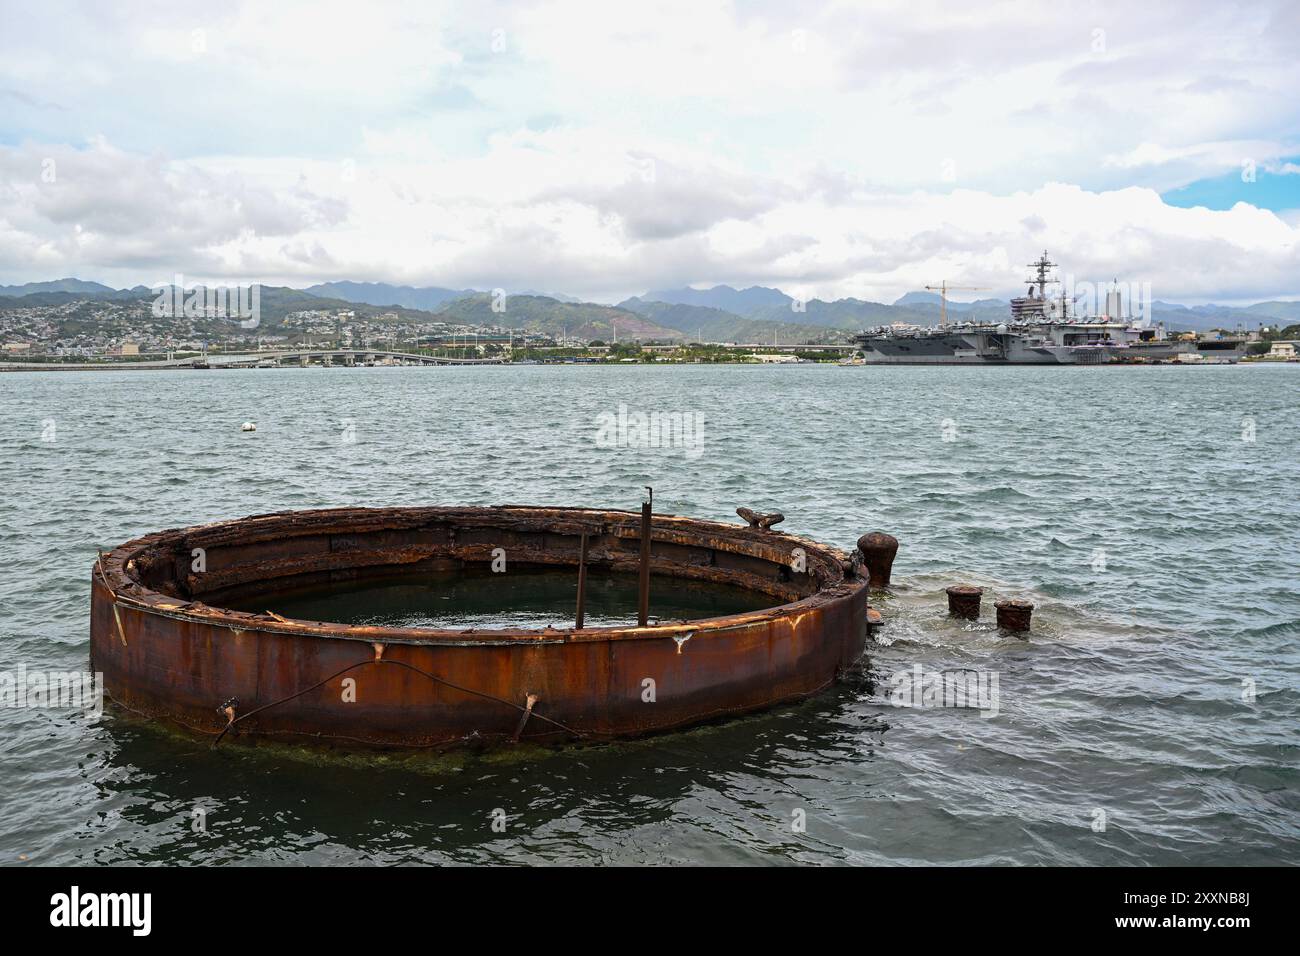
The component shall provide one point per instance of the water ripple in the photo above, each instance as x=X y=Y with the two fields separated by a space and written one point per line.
x=1158 y=691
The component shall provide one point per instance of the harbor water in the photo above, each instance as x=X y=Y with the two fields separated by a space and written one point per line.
x=1151 y=515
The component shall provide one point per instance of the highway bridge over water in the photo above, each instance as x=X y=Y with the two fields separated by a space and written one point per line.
x=344 y=357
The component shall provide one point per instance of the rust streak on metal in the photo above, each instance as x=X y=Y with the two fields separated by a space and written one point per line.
x=117 y=617
x=528 y=712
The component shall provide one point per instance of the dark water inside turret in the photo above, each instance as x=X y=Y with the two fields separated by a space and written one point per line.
x=529 y=598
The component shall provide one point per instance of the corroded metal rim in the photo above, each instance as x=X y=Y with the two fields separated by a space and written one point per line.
x=124 y=570
x=168 y=648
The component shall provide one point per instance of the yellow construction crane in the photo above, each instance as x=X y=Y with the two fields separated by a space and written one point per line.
x=943 y=288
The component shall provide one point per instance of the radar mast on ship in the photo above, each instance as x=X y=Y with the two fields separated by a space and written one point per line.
x=1041 y=279
x=1033 y=305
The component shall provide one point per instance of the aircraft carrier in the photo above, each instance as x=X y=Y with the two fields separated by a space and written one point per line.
x=1039 y=330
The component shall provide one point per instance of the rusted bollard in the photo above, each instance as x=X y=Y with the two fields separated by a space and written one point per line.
x=1014 y=615
x=758 y=520
x=964 y=601
x=878 y=550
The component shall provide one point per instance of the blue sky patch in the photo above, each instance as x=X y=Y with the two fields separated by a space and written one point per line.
x=1269 y=190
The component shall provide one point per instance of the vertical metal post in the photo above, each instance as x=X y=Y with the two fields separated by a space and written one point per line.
x=582 y=581
x=643 y=584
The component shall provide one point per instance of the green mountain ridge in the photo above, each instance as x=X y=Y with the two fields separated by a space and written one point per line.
x=544 y=315
x=425 y=298
x=718 y=325
x=766 y=312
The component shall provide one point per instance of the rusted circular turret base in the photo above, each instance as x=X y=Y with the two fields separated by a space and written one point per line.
x=169 y=647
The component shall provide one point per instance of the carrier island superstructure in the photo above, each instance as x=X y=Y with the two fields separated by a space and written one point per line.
x=1040 y=330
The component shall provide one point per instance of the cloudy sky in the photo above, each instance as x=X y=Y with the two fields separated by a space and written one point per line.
x=607 y=148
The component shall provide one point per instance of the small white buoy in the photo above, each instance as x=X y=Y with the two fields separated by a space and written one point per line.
x=248 y=427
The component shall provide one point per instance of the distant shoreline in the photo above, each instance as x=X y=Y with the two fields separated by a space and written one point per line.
x=134 y=367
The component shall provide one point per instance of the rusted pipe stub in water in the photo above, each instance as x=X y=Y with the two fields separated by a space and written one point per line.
x=1014 y=615
x=878 y=550
x=964 y=601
